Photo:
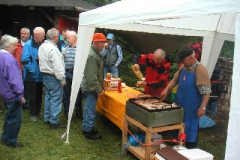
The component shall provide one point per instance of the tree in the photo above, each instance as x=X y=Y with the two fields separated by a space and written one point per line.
x=100 y=3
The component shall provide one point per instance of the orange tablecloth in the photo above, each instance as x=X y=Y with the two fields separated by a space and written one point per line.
x=113 y=104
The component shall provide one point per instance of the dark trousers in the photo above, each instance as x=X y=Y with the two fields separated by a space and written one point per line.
x=34 y=90
x=25 y=91
x=12 y=122
x=67 y=94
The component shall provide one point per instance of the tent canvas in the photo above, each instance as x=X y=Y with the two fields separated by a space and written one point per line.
x=216 y=21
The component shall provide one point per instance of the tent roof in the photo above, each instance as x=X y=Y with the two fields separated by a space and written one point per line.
x=185 y=17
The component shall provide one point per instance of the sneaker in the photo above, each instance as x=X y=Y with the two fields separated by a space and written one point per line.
x=58 y=125
x=92 y=135
x=34 y=118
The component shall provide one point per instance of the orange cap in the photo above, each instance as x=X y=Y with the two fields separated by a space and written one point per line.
x=98 y=37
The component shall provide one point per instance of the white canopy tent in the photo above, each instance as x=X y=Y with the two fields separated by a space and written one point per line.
x=215 y=20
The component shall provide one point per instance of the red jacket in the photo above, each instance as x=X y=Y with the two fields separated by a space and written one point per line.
x=17 y=54
x=156 y=74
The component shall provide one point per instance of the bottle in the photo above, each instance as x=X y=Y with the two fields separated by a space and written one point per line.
x=120 y=86
x=138 y=73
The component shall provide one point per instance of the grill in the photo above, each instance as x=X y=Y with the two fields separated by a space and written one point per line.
x=152 y=112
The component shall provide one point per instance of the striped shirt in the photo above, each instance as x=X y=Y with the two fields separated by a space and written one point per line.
x=69 y=57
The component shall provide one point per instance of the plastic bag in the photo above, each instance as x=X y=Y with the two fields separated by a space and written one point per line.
x=205 y=122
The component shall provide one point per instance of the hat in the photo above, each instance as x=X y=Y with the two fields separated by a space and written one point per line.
x=98 y=37
x=110 y=36
x=183 y=53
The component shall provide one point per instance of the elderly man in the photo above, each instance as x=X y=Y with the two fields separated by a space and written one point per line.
x=92 y=85
x=62 y=42
x=31 y=72
x=52 y=66
x=69 y=59
x=193 y=92
x=24 y=37
x=157 y=71
x=11 y=91
x=112 y=54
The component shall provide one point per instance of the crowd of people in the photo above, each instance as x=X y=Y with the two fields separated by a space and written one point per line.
x=48 y=60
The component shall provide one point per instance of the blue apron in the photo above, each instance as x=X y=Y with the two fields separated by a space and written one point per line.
x=189 y=98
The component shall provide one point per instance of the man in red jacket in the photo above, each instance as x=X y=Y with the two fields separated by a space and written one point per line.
x=157 y=71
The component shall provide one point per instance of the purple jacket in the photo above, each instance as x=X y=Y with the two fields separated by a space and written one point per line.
x=11 y=82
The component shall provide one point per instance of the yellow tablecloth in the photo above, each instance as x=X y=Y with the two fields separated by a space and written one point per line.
x=113 y=104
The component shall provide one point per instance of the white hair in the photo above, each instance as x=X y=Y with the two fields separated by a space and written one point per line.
x=7 y=41
x=51 y=33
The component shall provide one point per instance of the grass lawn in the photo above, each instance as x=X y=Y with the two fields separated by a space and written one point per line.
x=42 y=143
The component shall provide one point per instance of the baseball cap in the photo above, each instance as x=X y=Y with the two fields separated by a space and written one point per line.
x=183 y=53
x=110 y=36
x=98 y=37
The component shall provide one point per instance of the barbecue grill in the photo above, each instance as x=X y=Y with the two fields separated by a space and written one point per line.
x=153 y=112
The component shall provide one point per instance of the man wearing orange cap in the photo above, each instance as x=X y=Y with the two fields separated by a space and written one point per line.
x=92 y=85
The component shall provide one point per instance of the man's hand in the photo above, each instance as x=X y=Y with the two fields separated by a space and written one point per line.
x=101 y=93
x=136 y=67
x=23 y=100
x=141 y=83
x=106 y=45
x=64 y=84
x=164 y=93
x=200 y=112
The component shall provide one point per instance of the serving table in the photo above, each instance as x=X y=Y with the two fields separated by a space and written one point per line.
x=113 y=104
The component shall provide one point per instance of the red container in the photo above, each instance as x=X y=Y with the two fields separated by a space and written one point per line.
x=119 y=86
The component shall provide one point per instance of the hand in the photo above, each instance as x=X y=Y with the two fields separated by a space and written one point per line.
x=200 y=112
x=164 y=94
x=137 y=67
x=106 y=45
x=63 y=53
x=64 y=84
x=101 y=93
x=23 y=100
x=141 y=84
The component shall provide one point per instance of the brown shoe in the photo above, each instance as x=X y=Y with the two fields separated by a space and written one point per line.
x=16 y=145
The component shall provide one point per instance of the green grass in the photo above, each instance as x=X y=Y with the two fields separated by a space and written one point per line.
x=42 y=143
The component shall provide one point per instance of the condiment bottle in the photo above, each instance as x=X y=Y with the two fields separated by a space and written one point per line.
x=138 y=72
x=120 y=86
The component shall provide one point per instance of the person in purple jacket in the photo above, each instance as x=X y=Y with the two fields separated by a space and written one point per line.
x=11 y=91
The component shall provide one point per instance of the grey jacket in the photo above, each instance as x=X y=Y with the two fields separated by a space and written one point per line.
x=93 y=73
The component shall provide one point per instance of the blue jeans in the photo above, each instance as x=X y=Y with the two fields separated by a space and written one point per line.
x=89 y=111
x=67 y=93
x=53 y=99
x=212 y=106
x=113 y=70
x=12 y=122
